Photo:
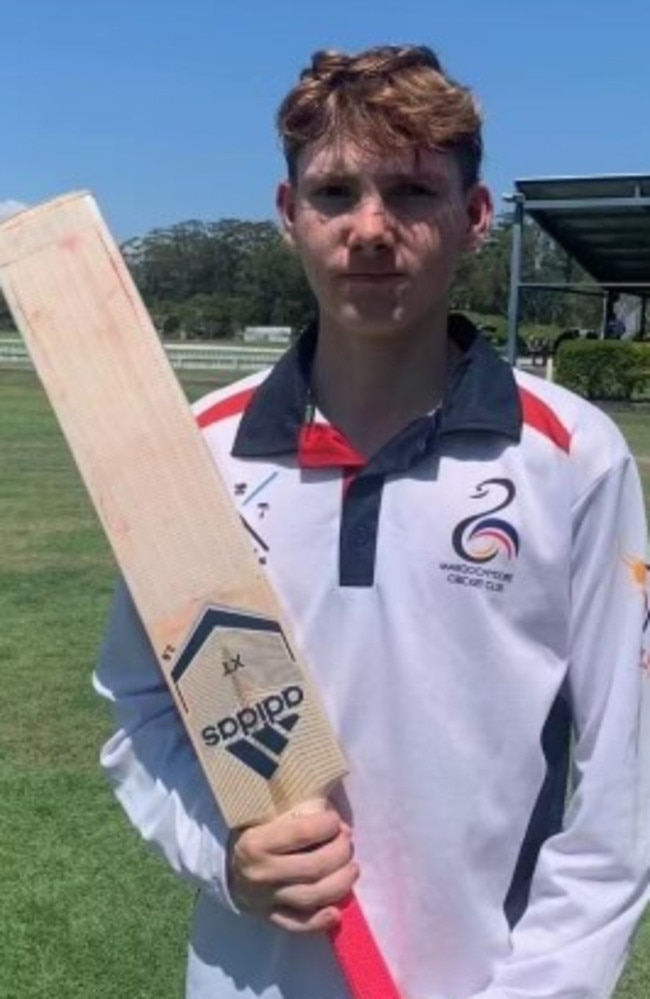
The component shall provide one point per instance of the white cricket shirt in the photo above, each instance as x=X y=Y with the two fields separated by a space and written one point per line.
x=468 y=601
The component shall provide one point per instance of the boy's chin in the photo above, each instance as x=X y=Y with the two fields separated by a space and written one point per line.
x=373 y=322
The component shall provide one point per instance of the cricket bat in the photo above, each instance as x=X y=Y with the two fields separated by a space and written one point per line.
x=219 y=633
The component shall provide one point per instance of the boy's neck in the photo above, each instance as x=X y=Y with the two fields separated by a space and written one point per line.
x=372 y=387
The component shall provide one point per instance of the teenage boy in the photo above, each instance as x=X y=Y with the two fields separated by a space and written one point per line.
x=459 y=548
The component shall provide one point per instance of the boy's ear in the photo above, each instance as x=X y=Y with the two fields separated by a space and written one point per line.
x=285 y=202
x=480 y=213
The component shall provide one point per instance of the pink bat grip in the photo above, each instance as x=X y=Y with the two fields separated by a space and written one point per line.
x=364 y=968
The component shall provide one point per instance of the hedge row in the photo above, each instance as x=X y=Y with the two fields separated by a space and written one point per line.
x=604 y=369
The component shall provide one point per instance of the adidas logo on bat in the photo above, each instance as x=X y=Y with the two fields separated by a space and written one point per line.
x=254 y=735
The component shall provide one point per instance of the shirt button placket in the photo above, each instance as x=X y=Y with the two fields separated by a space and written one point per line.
x=361 y=535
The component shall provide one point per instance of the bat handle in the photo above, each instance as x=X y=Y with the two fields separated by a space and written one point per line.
x=359 y=956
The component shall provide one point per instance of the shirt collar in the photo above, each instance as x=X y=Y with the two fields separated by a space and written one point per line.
x=482 y=396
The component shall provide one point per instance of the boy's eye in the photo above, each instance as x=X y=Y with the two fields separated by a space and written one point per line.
x=412 y=190
x=334 y=192
x=336 y=196
x=333 y=198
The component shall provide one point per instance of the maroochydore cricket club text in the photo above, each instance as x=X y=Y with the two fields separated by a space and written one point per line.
x=477 y=576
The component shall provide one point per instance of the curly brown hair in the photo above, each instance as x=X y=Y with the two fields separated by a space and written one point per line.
x=386 y=98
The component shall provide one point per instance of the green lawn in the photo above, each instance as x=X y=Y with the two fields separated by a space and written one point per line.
x=86 y=911
x=635 y=424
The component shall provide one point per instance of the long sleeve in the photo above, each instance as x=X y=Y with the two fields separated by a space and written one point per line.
x=150 y=761
x=592 y=880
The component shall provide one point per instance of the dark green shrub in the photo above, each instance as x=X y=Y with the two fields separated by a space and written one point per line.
x=604 y=369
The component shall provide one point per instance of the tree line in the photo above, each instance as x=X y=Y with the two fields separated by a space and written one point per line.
x=212 y=279
x=208 y=280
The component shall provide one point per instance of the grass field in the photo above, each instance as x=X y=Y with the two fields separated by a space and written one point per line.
x=85 y=910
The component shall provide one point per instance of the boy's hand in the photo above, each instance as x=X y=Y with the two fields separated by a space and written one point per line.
x=294 y=869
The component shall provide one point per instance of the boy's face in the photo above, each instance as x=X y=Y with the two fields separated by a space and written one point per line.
x=380 y=236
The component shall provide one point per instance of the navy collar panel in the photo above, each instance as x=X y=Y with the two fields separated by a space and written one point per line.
x=482 y=397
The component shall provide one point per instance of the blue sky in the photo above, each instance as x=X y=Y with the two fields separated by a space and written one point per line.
x=164 y=109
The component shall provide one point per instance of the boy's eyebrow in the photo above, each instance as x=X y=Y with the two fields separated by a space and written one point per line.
x=400 y=176
x=389 y=177
x=329 y=175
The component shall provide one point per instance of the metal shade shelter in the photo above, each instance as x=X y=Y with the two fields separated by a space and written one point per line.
x=602 y=222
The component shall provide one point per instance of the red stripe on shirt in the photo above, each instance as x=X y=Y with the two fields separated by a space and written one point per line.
x=540 y=416
x=231 y=406
x=321 y=445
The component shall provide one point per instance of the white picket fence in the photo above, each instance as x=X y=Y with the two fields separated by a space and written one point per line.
x=13 y=353
x=230 y=359
x=237 y=359
x=227 y=358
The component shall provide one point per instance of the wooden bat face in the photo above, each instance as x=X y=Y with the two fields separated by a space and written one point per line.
x=218 y=631
x=219 y=635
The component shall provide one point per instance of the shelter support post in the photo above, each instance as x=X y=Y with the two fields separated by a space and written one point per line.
x=515 y=275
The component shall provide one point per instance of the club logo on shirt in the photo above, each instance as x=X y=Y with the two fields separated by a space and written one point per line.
x=481 y=537
x=484 y=538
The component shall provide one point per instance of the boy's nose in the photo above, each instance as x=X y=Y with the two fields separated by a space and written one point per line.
x=372 y=226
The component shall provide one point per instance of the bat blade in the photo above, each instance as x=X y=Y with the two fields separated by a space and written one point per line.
x=149 y=474
x=219 y=634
